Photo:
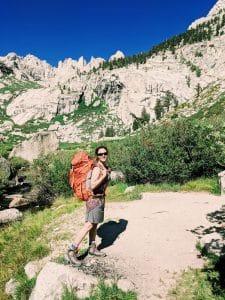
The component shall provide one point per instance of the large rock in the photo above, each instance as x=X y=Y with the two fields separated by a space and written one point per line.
x=10 y=215
x=221 y=176
x=32 y=104
x=129 y=189
x=54 y=277
x=117 y=176
x=17 y=200
x=40 y=144
x=34 y=267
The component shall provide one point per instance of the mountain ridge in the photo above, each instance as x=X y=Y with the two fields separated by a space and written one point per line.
x=72 y=97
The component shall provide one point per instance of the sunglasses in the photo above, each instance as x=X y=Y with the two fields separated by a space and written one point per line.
x=101 y=154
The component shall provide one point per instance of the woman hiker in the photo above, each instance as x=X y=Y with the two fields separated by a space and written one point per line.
x=94 y=207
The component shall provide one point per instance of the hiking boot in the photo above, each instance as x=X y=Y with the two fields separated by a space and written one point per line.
x=93 y=250
x=72 y=254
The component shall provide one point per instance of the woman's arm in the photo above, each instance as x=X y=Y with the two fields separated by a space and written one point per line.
x=97 y=177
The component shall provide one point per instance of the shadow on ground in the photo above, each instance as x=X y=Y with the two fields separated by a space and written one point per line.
x=110 y=231
x=215 y=232
x=214 y=249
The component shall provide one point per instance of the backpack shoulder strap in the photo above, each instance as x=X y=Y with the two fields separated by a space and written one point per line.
x=96 y=164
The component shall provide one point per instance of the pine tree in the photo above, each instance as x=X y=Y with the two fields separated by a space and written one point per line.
x=145 y=117
x=110 y=132
x=158 y=110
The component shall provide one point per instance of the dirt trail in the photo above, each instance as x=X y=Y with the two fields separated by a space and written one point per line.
x=150 y=241
x=157 y=243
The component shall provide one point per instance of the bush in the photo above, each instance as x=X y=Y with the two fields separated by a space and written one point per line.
x=24 y=289
x=3 y=179
x=50 y=174
x=110 y=132
x=18 y=162
x=5 y=149
x=101 y=292
x=174 y=152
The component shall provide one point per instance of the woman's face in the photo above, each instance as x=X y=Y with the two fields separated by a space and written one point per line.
x=102 y=154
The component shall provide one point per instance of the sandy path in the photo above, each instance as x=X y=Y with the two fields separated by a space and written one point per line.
x=157 y=243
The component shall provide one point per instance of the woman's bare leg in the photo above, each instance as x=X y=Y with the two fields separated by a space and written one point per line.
x=92 y=233
x=82 y=233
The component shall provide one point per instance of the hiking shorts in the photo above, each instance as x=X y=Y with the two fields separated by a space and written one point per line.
x=95 y=210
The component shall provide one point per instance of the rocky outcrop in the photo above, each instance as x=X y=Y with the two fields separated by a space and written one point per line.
x=216 y=10
x=40 y=144
x=95 y=62
x=117 y=55
x=6 y=126
x=33 y=105
x=125 y=91
x=53 y=278
x=28 y=67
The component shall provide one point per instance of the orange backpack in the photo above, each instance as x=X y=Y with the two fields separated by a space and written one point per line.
x=80 y=175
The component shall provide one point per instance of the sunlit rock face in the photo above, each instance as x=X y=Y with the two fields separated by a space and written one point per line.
x=76 y=84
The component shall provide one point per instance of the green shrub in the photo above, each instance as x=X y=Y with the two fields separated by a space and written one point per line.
x=19 y=162
x=26 y=240
x=110 y=132
x=101 y=292
x=106 y=292
x=50 y=174
x=174 y=152
x=24 y=289
x=3 y=179
x=69 y=294
x=5 y=149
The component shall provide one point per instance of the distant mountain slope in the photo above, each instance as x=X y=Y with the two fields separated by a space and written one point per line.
x=85 y=101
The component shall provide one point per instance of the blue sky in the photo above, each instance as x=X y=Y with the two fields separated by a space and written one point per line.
x=56 y=29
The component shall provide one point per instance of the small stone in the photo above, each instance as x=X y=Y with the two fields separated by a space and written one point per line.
x=129 y=189
x=10 y=287
x=125 y=285
x=10 y=215
x=109 y=282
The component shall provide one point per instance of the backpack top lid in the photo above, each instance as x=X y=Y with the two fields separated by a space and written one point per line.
x=81 y=156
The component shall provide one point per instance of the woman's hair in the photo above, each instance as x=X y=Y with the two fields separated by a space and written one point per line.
x=100 y=147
